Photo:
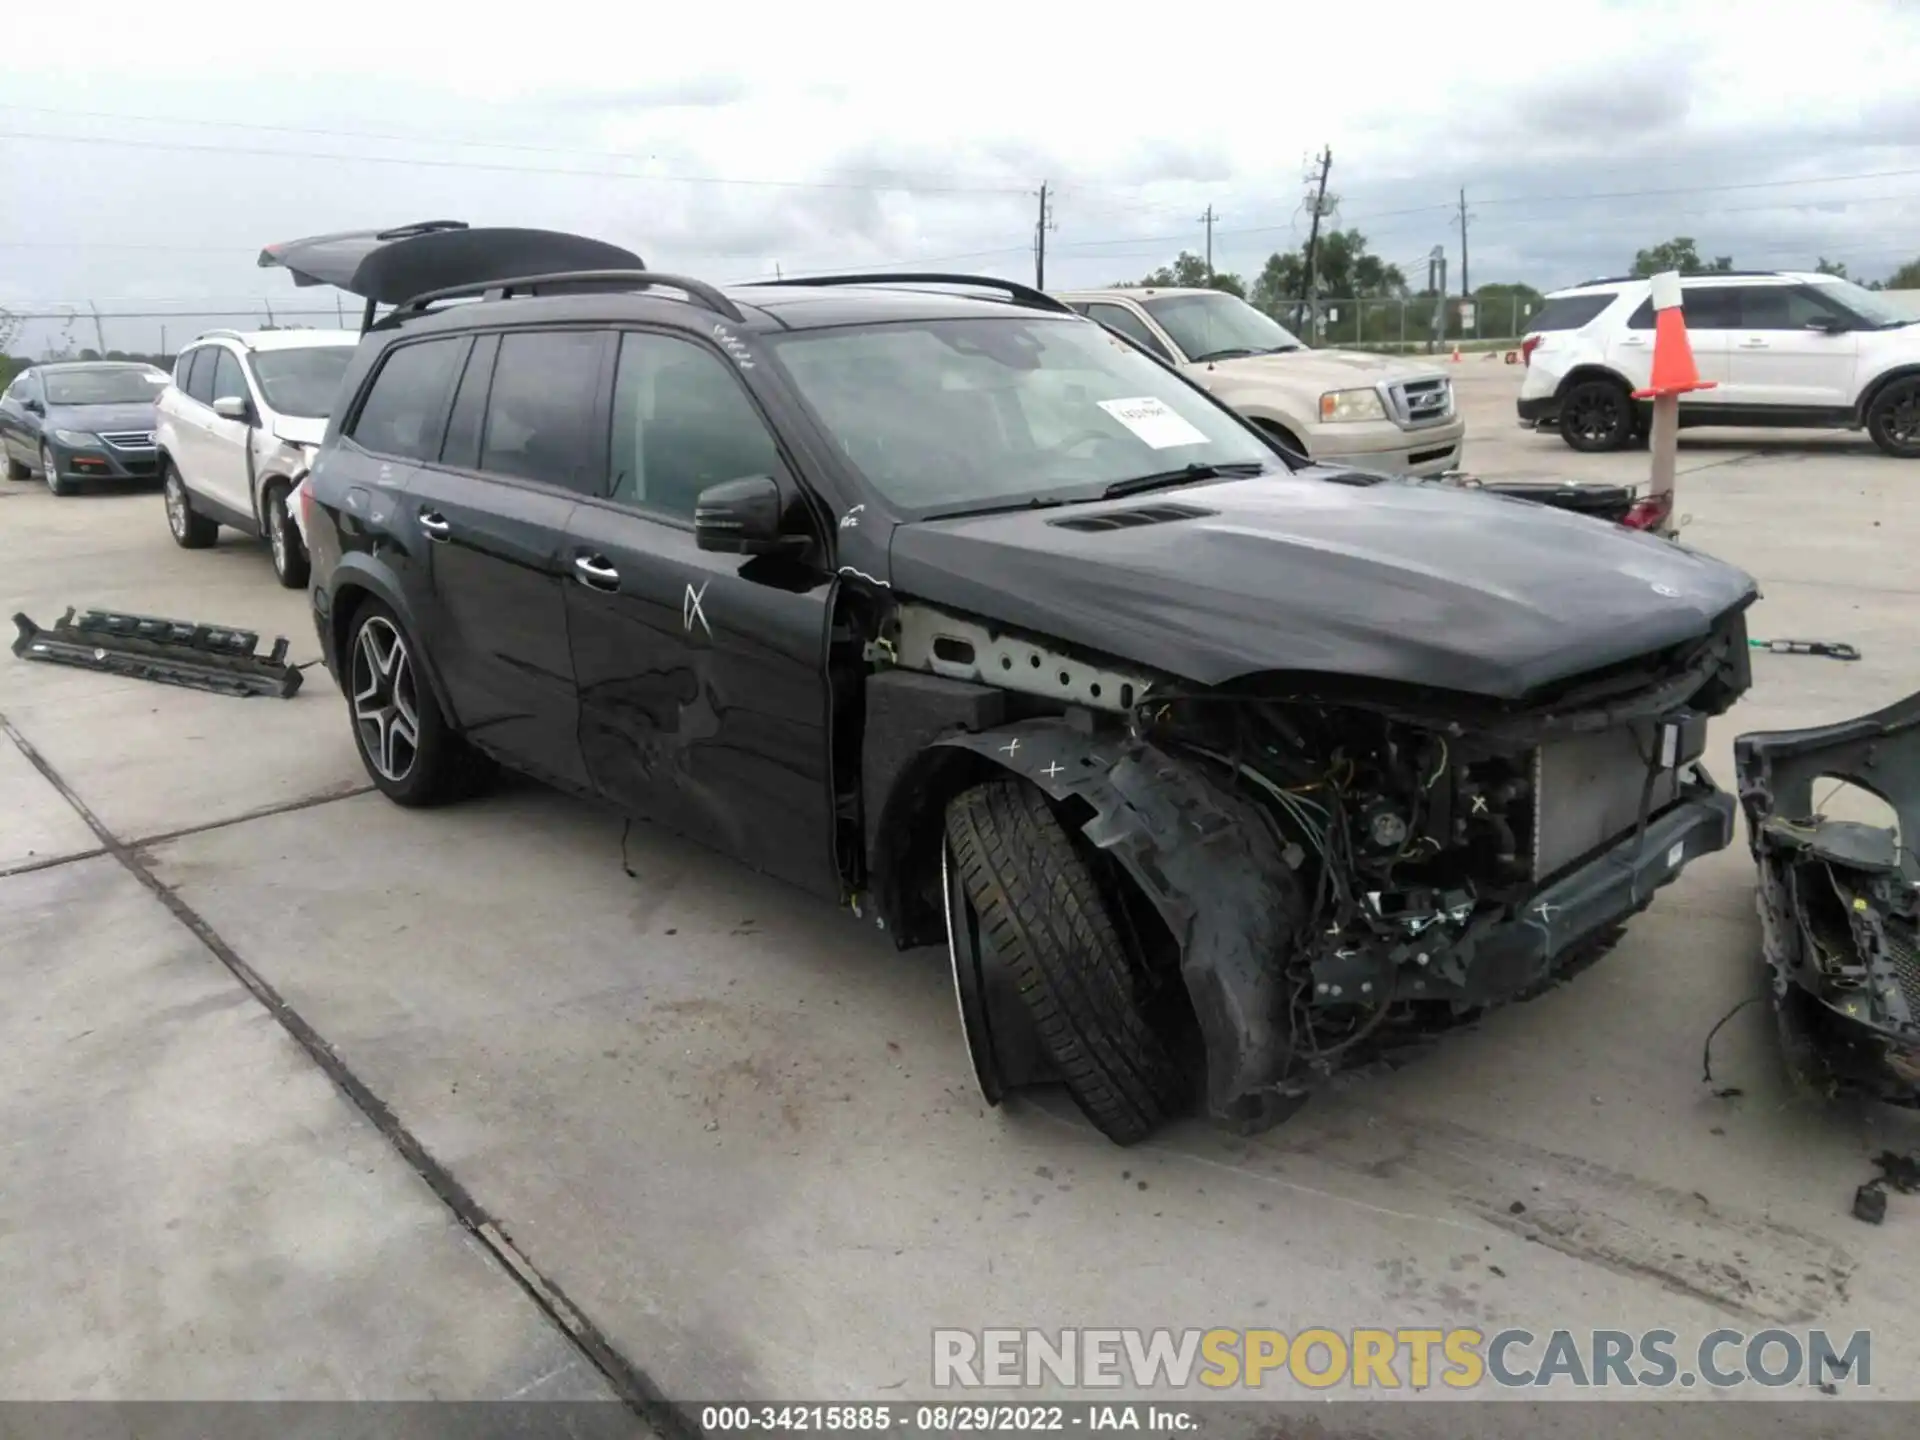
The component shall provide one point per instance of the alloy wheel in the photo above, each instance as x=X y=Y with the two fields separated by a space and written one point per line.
x=49 y=469
x=385 y=706
x=1903 y=423
x=277 y=533
x=176 y=505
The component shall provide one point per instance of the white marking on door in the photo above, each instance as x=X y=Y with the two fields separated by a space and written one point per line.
x=1054 y=769
x=690 y=609
x=1011 y=746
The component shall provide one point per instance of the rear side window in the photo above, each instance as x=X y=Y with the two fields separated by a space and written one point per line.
x=200 y=374
x=540 y=411
x=1706 y=307
x=405 y=413
x=1570 y=312
x=462 y=450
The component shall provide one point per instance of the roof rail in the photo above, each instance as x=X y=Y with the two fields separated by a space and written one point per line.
x=220 y=333
x=1684 y=275
x=1018 y=293
x=698 y=291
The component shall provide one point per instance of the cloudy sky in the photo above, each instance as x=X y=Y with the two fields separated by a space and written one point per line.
x=148 y=150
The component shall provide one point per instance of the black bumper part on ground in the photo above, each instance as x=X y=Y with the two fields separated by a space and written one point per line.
x=1840 y=900
x=171 y=652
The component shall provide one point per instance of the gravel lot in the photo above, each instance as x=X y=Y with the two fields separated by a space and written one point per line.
x=734 y=1132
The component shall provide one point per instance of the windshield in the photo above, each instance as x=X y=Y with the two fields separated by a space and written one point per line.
x=104 y=387
x=1217 y=326
x=947 y=416
x=1869 y=305
x=302 y=382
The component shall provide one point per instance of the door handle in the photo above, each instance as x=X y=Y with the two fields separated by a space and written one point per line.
x=595 y=571
x=1753 y=345
x=435 y=525
x=1631 y=340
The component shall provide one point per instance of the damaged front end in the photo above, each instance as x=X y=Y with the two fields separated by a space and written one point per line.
x=1345 y=869
x=1839 y=899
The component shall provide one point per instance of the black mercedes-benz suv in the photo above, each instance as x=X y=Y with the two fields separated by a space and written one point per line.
x=1215 y=775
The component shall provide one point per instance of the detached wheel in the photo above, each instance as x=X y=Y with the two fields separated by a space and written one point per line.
x=50 y=472
x=1034 y=898
x=290 y=564
x=409 y=750
x=1597 y=415
x=190 y=531
x=1893 y=420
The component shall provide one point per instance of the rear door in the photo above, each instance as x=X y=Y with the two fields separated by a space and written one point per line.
x=526 y=438
x=702 y=677
x=1711 y=312
x=1782 y=361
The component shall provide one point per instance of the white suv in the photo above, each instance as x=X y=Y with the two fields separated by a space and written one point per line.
x=1784 y=348
x=1340 y=407
x=237 y=429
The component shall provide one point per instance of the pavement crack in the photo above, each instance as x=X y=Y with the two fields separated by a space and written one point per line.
x=641 y=1395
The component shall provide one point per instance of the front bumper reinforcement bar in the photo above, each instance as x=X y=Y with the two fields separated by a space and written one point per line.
x=172 y=652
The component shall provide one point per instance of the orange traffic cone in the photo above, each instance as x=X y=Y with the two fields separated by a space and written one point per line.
x=1674 y=372
x=1456 y=354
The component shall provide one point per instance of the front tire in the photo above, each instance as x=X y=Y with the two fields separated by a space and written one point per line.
x=290 y=564
x=190 y=531
x=410 y=752
x=1034 y=893
x=1596 y=416
x=50 y=472
x=17 y=471
x=1893 y=420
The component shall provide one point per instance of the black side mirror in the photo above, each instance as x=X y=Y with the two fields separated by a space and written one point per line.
x=35 y=407
x=1828 y=325
x=744 y=517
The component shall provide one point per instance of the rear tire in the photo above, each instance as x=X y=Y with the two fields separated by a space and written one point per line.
x=290 y=564
x=17 y=471
x=1032 y=890
x=410 y=752
x=1596 y=416
x=1893 y=420
x=190 y=531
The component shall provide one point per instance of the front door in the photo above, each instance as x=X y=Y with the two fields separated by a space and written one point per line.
x=1782 y=361
x=1711 y=313
x=220 y=469
x=524 y=441
x=702 y=677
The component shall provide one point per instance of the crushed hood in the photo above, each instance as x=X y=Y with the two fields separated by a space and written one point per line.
x=1426 y=585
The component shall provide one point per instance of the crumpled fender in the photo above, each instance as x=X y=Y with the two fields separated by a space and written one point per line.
x=1213 y=869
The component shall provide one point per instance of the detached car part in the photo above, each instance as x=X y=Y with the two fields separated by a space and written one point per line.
x=172 y=652
x=1840 y=900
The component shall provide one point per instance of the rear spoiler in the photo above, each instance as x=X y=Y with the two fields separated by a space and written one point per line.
x=385 y=267
x=172 y=652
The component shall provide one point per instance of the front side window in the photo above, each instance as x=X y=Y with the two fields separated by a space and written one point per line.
x=1786 y=307
x=405 y=413
x=540 y=410
x=304 y=382
x=681 y=422
x=228 y=383
x=1212 y=325
x=1129 y=324
x=117 y=386
x=945 y=416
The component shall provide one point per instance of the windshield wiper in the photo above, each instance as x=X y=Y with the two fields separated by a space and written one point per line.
x=1185 y=475
x=1231 y=354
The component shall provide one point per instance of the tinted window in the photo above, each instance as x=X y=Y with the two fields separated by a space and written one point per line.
x=406 y=411
x=1707 y=307
x=1569 y=312
x=200 y=374
x=1129 y=325
x=540 y=410
x=1784 y=307
x=462 y=449
x=227 y=379
x=681 y=422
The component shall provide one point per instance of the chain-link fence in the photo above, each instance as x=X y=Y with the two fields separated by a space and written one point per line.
x=1408 y=323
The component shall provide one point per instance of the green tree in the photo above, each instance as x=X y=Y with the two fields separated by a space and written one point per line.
x=1679 y=253
x=1189 y=272
x=1907 y=277
x=1830 y=267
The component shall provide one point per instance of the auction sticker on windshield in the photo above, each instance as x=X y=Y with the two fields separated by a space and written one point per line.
x=1153 y=422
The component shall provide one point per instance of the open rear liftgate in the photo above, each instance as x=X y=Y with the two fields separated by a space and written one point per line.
x=173 y=652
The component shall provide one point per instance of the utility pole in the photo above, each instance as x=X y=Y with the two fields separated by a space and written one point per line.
x=1040 y=229
x=1437 y=283
x=1207 y=220
x=1466 y=290
x=1320 y=208
x=99 y=329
